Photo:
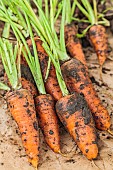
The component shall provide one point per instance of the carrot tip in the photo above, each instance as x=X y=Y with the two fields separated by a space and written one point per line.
x=110 y=132
x=100 y=71
x=36 y=168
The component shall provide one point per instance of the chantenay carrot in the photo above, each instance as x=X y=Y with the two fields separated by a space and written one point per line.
x=77 y=119
x=77 y=79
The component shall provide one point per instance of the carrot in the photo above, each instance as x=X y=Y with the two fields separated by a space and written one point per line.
x=48 y=121
x=51 y=84
x=20 y=101
x=77 y=119
x=99 y=39
x=97 y=32
x=73 y=43
x=21 y=106
x=77 y=79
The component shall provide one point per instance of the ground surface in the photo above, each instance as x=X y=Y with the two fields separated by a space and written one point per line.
x=12 y=155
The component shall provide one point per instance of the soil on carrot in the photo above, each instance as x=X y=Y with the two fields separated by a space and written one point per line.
x=12 y=154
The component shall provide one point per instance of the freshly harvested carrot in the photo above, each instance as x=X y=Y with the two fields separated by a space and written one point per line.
x=51 y=84
x=48 y=121
x=21 y=106
x=99 y=39
x=97 y=32
x=77 y=79
x=20 y=101
x=73 y=43
x=77 y=119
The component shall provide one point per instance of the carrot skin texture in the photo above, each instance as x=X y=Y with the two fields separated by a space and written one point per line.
x=73 y=43
x=22 y=109
x=29 y=86
x=77 y=119
x=77 y=79
x=99 y=40
x=51 y=84
x=48 y=121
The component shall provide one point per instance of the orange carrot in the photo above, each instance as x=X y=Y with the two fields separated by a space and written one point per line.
x=73 y=43
x=98 y=37
x=77 y=119
x=48 y=121
x=51 y=84
x=77 y=79
x=21 y=105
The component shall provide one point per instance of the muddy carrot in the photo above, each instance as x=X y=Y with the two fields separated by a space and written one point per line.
x=21 y=107
x=77 y=119
x=99 y=40
x=73 y=43
x=20 y=101
x=96 y=30
x=77 y=79
x=48 y=121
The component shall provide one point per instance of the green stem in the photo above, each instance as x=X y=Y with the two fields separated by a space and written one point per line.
x=38 y=74
x=46 y=9
x=4 y=87
x=6 y=31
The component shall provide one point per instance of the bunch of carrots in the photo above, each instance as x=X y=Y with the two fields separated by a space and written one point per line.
x=62 y=87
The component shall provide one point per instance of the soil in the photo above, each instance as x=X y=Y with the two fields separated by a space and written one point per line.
x=12 y=154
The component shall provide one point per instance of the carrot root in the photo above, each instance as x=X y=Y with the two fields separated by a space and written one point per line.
x=99 y=40
x=48 y=121
x=73 y=44
x=77 y=119
x=21 y=106
x=77 y=79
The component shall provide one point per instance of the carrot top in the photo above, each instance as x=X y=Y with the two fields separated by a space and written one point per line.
x=11 y=60
x=44 y=27
x=32 y=61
